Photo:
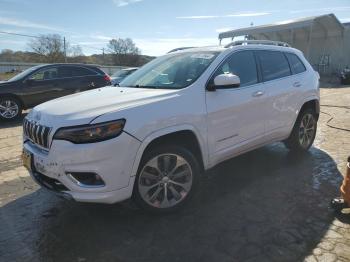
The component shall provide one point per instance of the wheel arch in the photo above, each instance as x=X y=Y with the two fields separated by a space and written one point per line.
x=182 y=135
x=14 y=96
x=313 y=104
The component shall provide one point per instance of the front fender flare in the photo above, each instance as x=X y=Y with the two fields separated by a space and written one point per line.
x=165 y=131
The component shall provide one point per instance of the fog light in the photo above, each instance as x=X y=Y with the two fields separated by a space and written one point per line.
x=86 y=179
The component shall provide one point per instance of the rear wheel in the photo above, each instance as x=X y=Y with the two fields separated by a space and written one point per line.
x=167 y=178
x=10 y=108
x=304 y=131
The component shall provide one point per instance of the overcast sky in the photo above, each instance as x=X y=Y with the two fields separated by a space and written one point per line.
x=155 y=25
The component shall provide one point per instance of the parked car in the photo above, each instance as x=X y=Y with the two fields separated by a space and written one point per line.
x=41 y=83
x=345 y=76
x=180 y=114
x=119 y=76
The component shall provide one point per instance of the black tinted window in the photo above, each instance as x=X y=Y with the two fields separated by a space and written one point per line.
x=295 y=63
x=81 y=71
x=64 y=71
x=241 y=64
x=273 y=65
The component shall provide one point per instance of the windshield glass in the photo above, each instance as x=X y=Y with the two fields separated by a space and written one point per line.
x=24 y=73
x=173 y=71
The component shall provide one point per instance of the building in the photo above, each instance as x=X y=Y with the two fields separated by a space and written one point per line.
x=324 y=40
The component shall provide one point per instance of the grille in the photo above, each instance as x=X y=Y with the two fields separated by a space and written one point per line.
x=38 y=134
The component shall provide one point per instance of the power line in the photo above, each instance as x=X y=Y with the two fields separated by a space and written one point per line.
x=9 y=33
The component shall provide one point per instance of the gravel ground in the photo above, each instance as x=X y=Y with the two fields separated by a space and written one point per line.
x=266 y=205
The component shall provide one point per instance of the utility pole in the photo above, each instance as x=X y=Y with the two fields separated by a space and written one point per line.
x=64 y=48
x=103 y=56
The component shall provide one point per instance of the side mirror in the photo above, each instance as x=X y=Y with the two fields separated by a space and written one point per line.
x=224 y=81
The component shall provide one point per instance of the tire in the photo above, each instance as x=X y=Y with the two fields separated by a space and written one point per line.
x=301 y=138
x=167 y=178
x=10 y=108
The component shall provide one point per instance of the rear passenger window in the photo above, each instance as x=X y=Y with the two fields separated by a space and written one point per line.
x=274 y=65
x=295 y=63
x=81 y=71
x=64 y=71
x=241 y=64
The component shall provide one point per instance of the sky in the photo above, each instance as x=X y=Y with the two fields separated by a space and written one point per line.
x=156 y=26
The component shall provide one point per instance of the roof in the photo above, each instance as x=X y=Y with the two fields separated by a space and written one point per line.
x=327 y=21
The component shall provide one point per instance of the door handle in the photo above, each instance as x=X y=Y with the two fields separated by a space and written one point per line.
x=257 y=93
x=296 y=84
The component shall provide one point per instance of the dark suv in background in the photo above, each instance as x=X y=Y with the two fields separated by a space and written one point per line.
x=41 y=83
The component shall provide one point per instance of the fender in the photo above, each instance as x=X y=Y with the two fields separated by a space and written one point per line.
x=309 y=98
x=305 y=100
x=165 y=131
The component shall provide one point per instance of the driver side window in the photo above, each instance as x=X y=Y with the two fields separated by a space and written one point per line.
x=45 y=74
x=241 y=64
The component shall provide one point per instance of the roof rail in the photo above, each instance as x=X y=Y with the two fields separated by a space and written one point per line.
x=257 y=42
x=179 y=49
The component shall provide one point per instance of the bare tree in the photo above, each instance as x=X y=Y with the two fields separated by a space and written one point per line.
x=50 y=47
x=123 y=49
x=75 y=51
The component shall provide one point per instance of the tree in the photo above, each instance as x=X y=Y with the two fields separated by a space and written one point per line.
x=49 y=47
x=123 y=50
x=76 y=51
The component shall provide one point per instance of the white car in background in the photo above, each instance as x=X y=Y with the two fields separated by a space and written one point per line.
x=175 y=117
x=119 y=76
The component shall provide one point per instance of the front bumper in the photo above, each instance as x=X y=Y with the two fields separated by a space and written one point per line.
x=112 y=160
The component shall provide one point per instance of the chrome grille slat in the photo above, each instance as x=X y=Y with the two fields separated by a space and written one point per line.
x=36 y=133
x=42 y=135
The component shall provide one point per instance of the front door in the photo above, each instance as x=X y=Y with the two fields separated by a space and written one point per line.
x=42 y=86
x=236 y=116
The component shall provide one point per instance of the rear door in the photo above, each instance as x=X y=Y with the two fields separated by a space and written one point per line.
x=278 y=82
x=86 y=78
x=74 y=79
x=236 y=118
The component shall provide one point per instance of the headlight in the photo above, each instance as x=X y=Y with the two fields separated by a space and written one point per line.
x=90 y=133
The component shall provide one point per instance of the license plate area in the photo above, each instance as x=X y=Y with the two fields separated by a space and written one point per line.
x=27 y=159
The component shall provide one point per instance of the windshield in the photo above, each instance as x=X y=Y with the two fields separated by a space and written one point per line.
x=24 y=73
x=173 y=71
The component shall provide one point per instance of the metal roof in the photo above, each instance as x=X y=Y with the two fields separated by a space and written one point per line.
x=327 y=21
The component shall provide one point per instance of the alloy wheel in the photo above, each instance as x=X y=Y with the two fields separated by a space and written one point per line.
x=8 y=109
x=307 y=130
x=165 y=180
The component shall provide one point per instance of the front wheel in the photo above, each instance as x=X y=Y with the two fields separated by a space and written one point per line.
x=304 y=131
x=10 y=108
x=167 y=178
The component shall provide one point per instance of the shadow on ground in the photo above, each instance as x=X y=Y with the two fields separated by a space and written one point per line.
x=12 y=123
x=266 y=205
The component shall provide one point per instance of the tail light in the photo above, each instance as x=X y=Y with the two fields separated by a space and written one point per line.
x=107 y=78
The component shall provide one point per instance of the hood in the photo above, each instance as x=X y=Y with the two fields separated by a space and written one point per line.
x=82 y=108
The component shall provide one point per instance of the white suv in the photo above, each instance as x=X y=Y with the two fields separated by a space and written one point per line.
x=180 y=114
